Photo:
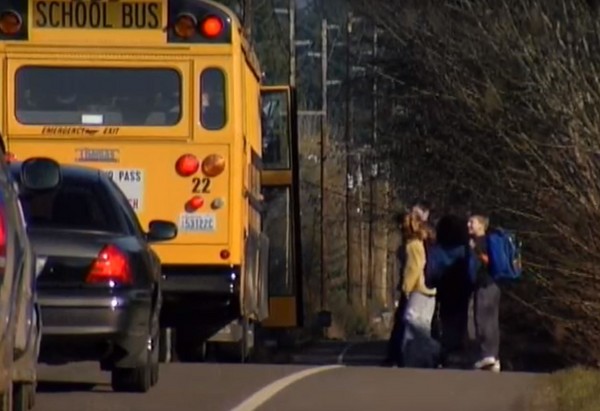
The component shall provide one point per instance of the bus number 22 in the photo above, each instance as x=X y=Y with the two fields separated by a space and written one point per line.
x=201 y=185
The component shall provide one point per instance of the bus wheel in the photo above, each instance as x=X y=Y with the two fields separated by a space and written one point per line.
x=239 y=351
x=189 y=348
x=6 y=399
x=247 y=342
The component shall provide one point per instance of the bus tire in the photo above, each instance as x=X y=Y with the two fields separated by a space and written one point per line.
x=243 y=345
x=248 y=343
x=6 y=399
x=240 y=351
x=23 y=396
x=190 y=348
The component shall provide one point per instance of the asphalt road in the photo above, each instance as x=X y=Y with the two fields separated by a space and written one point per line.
x=350 y=382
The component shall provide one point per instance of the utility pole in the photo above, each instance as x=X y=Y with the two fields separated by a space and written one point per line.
x=292 y=16
x=324 y=145
x=362 y=278
x=349 y=175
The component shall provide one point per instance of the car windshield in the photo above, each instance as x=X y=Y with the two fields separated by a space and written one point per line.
x=78 y=204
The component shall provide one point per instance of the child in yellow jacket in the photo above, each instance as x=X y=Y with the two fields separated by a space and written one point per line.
x=418 y=347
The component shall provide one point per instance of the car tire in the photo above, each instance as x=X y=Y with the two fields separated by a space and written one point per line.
x=138 y=379
x=155 y=372
x=23 y=396
x=155 y=360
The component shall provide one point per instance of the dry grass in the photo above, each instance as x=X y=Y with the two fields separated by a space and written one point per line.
x=576 y=389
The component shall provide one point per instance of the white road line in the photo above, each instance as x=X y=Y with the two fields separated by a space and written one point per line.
x=266 y=393
x=340 y=358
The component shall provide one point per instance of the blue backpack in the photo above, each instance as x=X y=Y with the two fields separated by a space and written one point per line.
x=504 y=252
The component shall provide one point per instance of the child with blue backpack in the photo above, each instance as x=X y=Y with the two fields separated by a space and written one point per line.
x=486 y=297
x=495 y=259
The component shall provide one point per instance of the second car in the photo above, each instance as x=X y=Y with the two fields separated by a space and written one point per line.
x=99 y=290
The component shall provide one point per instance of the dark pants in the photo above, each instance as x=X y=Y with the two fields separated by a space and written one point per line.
x=394 y=348
x=454 y=315
x=487 y=319
x=436 y=326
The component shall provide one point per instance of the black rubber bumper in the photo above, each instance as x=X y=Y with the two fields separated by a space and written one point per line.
x=112 y=329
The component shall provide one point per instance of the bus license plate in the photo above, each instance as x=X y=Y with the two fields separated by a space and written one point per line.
x=197 y=223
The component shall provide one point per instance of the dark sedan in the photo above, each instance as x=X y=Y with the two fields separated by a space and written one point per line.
x=99 y=290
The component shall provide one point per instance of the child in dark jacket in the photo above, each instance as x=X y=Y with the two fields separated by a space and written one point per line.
x=486 y=299
x=447 y=269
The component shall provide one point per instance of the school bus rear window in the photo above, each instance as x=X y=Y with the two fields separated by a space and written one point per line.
x=212 y=86
x=111 y=96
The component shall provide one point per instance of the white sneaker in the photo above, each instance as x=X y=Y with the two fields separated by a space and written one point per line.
x=485 y=363
x=496 y=366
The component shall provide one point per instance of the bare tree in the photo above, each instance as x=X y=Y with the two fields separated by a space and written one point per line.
x=499 y=110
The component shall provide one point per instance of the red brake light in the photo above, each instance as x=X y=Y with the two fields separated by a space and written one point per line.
x=111 y=265
x=224 y=254
x=194 y=203
x=211 y=27
x=187 y=165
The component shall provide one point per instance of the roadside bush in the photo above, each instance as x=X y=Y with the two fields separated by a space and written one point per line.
x=569 y=390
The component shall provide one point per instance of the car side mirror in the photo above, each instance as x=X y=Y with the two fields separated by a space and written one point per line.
x=40 y=173
x=160 y=230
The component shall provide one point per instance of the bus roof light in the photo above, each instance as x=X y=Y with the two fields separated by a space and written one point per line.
x=211 y=27
x=10 y=22
x=213 y=165
x=185 y=26
x=187 y=165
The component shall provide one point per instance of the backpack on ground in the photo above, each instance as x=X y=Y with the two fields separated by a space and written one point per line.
x=504 y=252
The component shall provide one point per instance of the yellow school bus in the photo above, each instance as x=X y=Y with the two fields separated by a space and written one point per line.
x=165 y=96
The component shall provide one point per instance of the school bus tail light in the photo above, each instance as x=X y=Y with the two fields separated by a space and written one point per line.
x=211 y=27
x=187 y=165
x=224 y=254
x=9 y=157
x=213 y=165
x=194 y=203
x=185 y=26
x=10 y=22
